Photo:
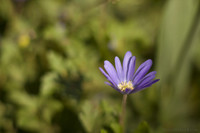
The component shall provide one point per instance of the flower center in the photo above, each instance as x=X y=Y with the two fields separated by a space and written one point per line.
x=125 y=85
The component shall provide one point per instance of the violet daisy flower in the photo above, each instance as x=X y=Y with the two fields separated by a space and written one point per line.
x=125 y=79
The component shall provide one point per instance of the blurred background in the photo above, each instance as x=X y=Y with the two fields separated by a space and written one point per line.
x=50 y=51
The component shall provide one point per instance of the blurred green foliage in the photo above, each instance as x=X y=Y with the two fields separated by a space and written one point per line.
x=50 y=52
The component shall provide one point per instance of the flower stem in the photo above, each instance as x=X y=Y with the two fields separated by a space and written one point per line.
x=123 y=112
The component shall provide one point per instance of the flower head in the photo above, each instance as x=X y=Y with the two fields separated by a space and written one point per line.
x=124 y=78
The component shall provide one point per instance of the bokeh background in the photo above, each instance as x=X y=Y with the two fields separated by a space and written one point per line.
x=50 y=51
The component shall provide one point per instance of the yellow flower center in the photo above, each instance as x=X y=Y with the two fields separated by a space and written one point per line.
x=125 y=85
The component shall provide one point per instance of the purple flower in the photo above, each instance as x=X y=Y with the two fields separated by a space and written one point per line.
x=125 y=79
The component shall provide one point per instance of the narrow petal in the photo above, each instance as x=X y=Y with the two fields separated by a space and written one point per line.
x=113 y=86
x=107 y=76
x=145 y=86
x=109 y=84
x=118 y=67
x=126 y=61
x=149 y=77
x=142 y=70
x=104 y=73
x=148 y=84
x=111 y=71
x=131 y=69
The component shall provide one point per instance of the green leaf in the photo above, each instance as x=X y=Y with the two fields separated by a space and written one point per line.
x=174 y=58
x=48 y=86
x=116 y=128
x=89 y=116
x=143 y=128
x=103 y=131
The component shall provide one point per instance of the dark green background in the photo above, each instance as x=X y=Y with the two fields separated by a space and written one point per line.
x=50 y=51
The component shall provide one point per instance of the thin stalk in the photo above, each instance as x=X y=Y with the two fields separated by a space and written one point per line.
x=123 y=112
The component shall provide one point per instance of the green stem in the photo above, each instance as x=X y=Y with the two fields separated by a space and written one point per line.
x=123 y=112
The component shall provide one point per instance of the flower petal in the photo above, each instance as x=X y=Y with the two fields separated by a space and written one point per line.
x=107 y=76
x=131 y=69
x=144 y=86
x=118 y=67
x=125 y=64
x=142 y=70
x=111 y=71
x=149 y=77
x=113 y=86
x=148 y=84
